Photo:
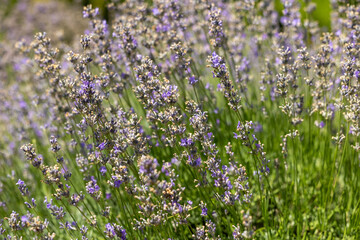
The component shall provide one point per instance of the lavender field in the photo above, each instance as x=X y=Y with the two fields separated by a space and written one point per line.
x=179 y=119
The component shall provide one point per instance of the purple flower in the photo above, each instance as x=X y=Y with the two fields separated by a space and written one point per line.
x=28 y=204
x=155 y=11
x=103 y=170
x=91 y=187
x=110 y=228
x=94 y=189
x=108 y=195
x=175 y=161
x=186 y=142
x=24 y=218
x=204 y=211
x=117 y=183
x=215 y=60
x=102 y=146
x=32 y=202
x=194 y=162
x=22 y=187
x=88 y=12
x=192 y=80
x=113 y=230
x=56 y=211
x=20 y=182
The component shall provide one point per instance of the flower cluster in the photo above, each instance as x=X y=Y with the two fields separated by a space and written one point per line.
x=172 y=119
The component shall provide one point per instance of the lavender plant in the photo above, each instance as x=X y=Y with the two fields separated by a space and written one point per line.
x=181 y=120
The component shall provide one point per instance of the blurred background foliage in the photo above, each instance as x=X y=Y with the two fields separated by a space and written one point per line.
x=321 y=14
